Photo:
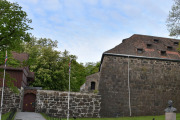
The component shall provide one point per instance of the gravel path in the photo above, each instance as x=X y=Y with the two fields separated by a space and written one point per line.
x=28 y=116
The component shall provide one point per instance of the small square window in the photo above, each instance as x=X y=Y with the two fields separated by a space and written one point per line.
x=156 y=40
x=139 y=50
x=176 y=43
x=169 y=47
x=149 y=45
x=163 y=52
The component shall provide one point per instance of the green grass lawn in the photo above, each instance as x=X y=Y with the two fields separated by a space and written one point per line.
x=162 y=117
x=5 y=116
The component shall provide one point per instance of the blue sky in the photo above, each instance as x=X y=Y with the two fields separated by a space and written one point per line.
x=87 y=28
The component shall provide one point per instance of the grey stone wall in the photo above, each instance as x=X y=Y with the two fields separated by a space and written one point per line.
x=55 y=103
x=11 y=100
x=86 y=87
x=152 y=82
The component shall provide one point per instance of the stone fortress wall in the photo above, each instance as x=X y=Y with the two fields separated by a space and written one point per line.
x=11 y=100
x=152 y=83
x=55 y=103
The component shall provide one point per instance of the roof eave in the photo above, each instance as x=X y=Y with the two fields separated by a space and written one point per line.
x=134 y=56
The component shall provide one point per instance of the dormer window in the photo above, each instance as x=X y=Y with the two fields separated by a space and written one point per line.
x=149 y=45
x=163 y=52
x=156 y=40
x=176 y=43
x=139 y=50
x=169 y=47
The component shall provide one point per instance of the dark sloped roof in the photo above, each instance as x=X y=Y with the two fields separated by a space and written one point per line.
x=149 y=46
x=31 y=75
x=20 y=56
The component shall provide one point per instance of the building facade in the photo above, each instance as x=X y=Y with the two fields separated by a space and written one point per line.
x=91 y=84
x=22 y=75
x=139 y=76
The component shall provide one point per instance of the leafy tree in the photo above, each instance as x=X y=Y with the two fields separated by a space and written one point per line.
x=173 y=20
x=42 y=60
x=51 y=66
x=13 y=26
x=13 y=32
x=77 y=71
x=92 y=68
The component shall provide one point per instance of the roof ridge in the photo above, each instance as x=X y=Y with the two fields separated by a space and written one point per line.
x=130 y=46
x=154 y=36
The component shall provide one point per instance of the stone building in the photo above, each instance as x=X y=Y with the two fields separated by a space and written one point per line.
x=139 y=76
x=91 y=84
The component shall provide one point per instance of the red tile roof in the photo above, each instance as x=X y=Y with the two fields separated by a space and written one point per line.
x=151 y=46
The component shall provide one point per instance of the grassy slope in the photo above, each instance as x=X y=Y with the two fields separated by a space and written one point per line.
x=4 y=116
x=162 y=117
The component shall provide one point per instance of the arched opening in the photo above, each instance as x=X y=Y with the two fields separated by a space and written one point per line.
x=29 y=102
x=93 y=84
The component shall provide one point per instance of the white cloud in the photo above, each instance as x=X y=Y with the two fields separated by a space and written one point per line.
x=90 y=48
x=87 y=28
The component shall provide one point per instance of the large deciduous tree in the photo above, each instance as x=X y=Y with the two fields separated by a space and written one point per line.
x=173 y=20
x=91 y=68
x=13 y=26
x=51 y=66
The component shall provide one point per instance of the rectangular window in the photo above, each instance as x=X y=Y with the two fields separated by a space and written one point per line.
x=149 y=45
x=163 y=52
x=139 y=50
x=93 y=84
x=169 y=47
x=156 y=40
x=176 y=43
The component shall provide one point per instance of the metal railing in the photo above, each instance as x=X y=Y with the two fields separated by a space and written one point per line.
x=10 y=117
